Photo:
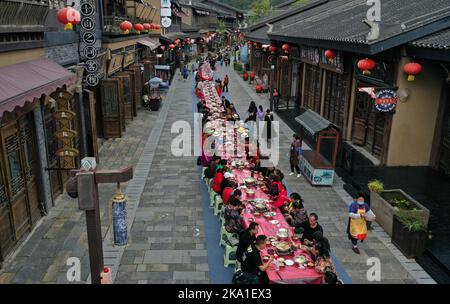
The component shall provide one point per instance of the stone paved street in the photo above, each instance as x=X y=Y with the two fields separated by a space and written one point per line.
x=167 y=242
x=328 y=203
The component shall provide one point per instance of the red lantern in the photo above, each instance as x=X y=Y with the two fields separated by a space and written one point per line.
x=366 y=65
x=330 y=55
x=245 y=76
x=285 y=47
x=272 y=49
x=68 y=16
x=126 y=27
x=157 y=27
x=252 y=75
x=177 y=41
x=412 y=69
x=138 y=27
x=249 y=43
x=255 y=44
x=147 y=26
x=171 y=46
x=258 y=88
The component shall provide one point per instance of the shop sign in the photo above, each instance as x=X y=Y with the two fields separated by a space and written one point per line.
x=128 y=58
x=166 y=22
x=89 y=39
x=386 y=100
x=115 y=64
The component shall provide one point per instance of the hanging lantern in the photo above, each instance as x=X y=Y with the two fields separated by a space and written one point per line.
x=255 y=44
x=177 y=41
x=330 y=55
x=147 y=26
x=412 y=69
x=284 y=58
x=68 y=16
x=126 y=27
x=272 y=49
x=171 y=46
x=157 y=26
x=285 y=47
x=366 y=65
x=119 y=218
x=138 y=27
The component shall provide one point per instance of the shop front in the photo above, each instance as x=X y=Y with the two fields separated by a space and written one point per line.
x=23 y=153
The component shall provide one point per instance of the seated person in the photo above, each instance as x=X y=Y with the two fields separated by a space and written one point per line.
x=309 y=227
x=234 y=223
x=252 y=264
x=297 y=214
x=323 y=262
x=317 y=237
x=210 y=171
x=217 y=180
x=227 y=191
x=246 y=239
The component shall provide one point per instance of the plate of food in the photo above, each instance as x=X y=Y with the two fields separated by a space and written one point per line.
x=269 y=214
x=283 y=246
x=300 y=259
x=281 y=260
x=274 y=222
x=289 y=262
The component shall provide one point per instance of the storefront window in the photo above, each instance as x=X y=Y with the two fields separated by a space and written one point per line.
x=313 y=85
x=335 y=98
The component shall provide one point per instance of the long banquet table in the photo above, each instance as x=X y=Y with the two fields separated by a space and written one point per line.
x=282 y=274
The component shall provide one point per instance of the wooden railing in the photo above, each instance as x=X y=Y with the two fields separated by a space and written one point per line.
x=23 y=13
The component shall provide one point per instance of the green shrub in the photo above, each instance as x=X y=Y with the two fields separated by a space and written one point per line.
x=375 y=186
x=411 y=220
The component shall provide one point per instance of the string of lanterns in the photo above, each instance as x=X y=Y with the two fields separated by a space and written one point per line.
x=127 y=26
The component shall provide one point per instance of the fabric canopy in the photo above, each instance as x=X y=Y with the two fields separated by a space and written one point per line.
x=23 y=82
x=152 y=44
x=312 y=122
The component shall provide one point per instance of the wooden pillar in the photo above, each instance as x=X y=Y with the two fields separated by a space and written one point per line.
x=351 y=110
x=322 y=94
x=303 y=86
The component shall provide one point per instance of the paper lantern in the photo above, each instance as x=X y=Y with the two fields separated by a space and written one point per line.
x=138 y=27
x=258 y=88
x=412 y=69
x=366 y=65
x=147 y=26
x=245 y=76
x=68 y=16
x=171 y=46
x=252 y=75
x=285 y=47
x=126 y=27
x=330 y=55
x=272 y=49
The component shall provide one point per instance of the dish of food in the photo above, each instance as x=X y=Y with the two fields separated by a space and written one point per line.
x=300 y=259
x=275 y=243
x=274 y=222
x=283 y=246
x=256 y=214
x=281 y=260
x=282 y=233
x=289 y=262
x=272 y=239
x=269 y=214
x=266 y=258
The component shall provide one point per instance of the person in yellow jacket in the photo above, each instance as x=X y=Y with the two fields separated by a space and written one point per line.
x=359 y=213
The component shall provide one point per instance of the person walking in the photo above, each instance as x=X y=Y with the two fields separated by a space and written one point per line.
x=294 y=161
x=359 y=213
x=260 y=113
x=268 y=125
x=226 y=80
x=185 y=73
x=193 y=68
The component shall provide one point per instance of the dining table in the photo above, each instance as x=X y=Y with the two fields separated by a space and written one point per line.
x=278 y=272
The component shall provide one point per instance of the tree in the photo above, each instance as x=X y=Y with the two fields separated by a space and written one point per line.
x=260 y=9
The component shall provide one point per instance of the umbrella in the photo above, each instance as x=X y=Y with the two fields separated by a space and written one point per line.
x=155 y=82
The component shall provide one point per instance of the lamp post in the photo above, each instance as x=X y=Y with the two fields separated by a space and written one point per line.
x=84 y=185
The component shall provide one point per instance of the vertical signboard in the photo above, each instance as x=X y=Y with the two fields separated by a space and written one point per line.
x=89 y=44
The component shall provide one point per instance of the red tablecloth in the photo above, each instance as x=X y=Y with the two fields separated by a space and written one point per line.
x=285 y=274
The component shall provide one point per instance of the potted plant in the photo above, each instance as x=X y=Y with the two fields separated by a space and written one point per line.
x=384 y=203
x=409 y=233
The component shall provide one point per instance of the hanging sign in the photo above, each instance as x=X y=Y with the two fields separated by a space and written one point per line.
x=166 y=22
x=386 y=100
x=87 y=35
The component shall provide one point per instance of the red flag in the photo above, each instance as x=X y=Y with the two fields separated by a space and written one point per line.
x=370 y=91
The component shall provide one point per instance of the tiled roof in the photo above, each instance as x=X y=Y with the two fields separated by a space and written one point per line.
x=341 y=21
x=440 y=40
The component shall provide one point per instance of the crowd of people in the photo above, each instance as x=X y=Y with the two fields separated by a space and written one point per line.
x=306 y=225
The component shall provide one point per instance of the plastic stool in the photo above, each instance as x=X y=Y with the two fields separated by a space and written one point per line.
x=229 y=257
x=225 y=235
x=218 y=205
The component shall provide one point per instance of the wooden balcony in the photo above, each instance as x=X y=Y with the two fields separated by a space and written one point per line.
x=23 y=16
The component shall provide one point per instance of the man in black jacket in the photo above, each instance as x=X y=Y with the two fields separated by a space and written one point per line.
x=247 y=238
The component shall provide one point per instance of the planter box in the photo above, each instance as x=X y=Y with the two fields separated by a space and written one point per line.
x=411 y=244
x=384 y=211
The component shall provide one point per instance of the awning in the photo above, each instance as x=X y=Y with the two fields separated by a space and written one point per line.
x=170 y=37
x=152 y=44
x=23 y=82
x=313 y=122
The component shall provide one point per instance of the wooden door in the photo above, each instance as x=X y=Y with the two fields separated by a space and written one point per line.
x=7 y=237
x=335 y=103
x=16 y=180
x=138 y=87
x=111 y=109
x=313 y=87
x=90 y=102
x=133 y=90
x=444 y=147
x=29 y=155
x=127 y=95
